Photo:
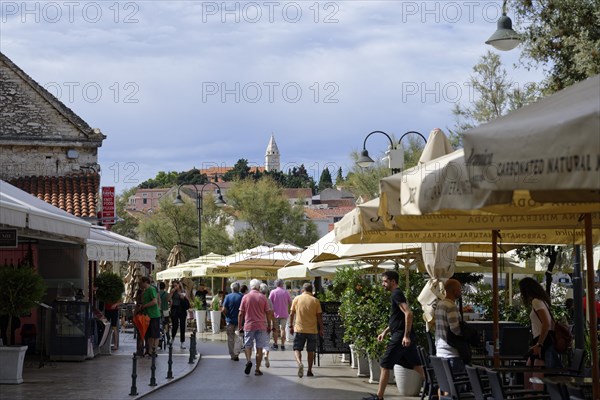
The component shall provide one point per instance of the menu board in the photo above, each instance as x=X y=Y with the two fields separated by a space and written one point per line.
x=333 y=330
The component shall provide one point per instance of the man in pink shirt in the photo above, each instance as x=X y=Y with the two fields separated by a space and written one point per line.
x=252 y=321
x=281 y=306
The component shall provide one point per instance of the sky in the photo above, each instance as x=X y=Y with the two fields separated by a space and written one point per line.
x=182 y=84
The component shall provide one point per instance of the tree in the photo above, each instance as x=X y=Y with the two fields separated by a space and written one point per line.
x=494 y=95
x=127 y=225
x=161 y=180
x=193 y=176
x=298 y=178
x=240 y=171
x=268 y=214
x=561 y=35
x=325 y=181
x=339 y=178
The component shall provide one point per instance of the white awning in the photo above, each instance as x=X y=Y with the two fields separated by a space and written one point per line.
x=105 y=245
x=21 y=210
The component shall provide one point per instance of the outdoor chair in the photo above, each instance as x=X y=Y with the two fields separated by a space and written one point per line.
x=576 y=366
x=575 y=391
x=458 y=382
x=440 y=376
x=499 y=392
x=477 y=385
x=556 y=391
x=429 y=384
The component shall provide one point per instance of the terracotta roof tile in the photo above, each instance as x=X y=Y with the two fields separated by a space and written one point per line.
x=76 y=194
x=324 y=213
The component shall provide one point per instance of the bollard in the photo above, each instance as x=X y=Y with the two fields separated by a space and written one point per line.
x=192 y=340
x=170 y=362
x=134 y=376
x=193 y=344
x=153 y=370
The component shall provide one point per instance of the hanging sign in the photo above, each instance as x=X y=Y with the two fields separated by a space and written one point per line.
x=8 y=238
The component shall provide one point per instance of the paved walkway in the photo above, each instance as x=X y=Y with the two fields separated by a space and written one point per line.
x=214 y=376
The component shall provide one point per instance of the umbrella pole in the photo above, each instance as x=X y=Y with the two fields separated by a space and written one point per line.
x=496 y=325
x=591 y=299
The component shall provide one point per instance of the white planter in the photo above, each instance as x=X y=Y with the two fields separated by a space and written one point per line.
x=363 y=365
x=408 y=381
x=11 y=366
x=353 y=360
x=375 y=372
x=215 y=317
x=200 y=316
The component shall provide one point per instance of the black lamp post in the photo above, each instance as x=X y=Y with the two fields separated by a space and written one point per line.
x=219 y=202
x=505 y=38
x=365 y=161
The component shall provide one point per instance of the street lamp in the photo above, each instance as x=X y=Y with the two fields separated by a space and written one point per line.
x=395 y=154
x=505 y=38
x=219 y=203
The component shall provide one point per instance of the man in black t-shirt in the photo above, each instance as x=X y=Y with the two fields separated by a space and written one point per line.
x=402 y=348
x=201 y=293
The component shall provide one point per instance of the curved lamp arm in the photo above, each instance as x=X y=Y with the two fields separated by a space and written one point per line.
x=364 y=160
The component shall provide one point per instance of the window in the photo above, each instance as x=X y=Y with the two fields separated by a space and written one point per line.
x=145 y=201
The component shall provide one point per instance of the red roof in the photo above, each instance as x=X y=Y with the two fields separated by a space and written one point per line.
x=76 y=194
x=325 y=213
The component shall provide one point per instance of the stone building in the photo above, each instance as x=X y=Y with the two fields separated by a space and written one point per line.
x=45 y=148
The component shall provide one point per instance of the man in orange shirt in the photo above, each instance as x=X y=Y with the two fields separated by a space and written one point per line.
x=306 y=319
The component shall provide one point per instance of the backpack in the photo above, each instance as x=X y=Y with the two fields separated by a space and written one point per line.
x=562 y=337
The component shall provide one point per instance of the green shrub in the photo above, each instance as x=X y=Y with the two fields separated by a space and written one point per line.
x=110 y=287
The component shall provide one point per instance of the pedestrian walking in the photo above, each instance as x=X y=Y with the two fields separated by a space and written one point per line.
x=402 y=348
x=306 y=320
x=264 y=289
x=231 y=309
x=178 y=300
x=281 y=311
x=253 y=318
x=150 y=308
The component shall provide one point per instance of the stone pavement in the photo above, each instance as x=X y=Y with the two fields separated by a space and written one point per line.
x=103 y=377
x=214 y=376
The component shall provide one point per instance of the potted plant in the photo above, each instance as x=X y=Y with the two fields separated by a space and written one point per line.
x=109 y=287
x=199 y=314
x=215 y=315
x=21 y=289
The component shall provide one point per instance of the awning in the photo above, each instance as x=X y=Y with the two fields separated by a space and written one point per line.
x=21 y=210
x=109 y=246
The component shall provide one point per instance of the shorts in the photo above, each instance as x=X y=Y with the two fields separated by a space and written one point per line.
x=309 y=338
x=113 y=317
x=280 y=322
x=395 y=353
x=153 y=331
x=261 y=337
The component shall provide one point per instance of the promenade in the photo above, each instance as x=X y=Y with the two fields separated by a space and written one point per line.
x=212 y=376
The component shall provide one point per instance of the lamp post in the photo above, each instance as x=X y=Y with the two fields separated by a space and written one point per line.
x=219 y=202
x=505 y=38
x=395 y=154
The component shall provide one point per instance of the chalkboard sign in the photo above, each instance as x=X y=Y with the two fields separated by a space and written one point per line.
x=333 y=330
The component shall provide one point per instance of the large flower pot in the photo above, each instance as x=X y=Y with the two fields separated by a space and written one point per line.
x=215 y=318
x=408 y=381
x=363 y=365
x=11 y=366
x=375 y=372
x=200 y=316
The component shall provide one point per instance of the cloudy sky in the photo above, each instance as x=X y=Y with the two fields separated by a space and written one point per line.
x=182 y=84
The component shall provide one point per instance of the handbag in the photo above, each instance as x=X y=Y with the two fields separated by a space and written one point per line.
x=562 y=337
x=462 y=342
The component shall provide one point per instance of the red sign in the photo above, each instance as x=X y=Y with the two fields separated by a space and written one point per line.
x=108 y=205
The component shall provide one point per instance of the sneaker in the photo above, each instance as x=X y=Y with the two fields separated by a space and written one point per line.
x=282 y=348
x=267 y=363
x=182 y=346
x=300 y=371
x=309 y=373
x=372 y=397
x=248 y=368
x=274 y=347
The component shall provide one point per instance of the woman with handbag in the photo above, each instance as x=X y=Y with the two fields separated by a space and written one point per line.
x=542 y=351
x=178 y=300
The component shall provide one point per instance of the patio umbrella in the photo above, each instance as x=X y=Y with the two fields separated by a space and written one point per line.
x=505 y=155
x=175 y=257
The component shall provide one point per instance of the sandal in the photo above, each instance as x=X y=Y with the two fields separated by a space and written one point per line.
x=258 y=373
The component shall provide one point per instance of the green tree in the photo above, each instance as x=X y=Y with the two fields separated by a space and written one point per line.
x=339 y=178
x=494 y=94
x=193 y=176
x=161 y=180
x=240 y=171
x=325 y=181
x=268 y=214
x=298 y=177
x=127 y=225
x=561 y=35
